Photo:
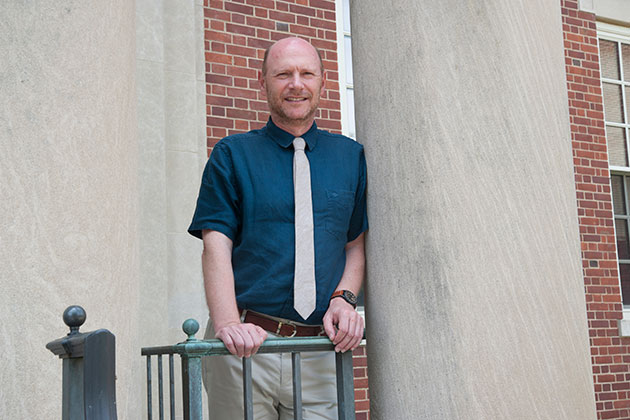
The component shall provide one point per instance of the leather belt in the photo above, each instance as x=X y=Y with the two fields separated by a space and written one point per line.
x=283 y=328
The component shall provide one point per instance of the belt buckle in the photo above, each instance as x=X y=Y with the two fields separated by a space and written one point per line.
x=286 y=323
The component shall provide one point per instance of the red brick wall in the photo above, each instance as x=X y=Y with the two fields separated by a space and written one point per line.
x=236 y=35
x=610 y=353
x=237 y=32
x=361 y=388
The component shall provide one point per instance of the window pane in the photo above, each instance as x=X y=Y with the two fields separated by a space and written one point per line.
x=625 y=58
x=617 y=149
x=346 y=16
x=612 y=103
x=347 y=52
x=609 y=59
x=621 y=227
x=351 y=123
x=624 y=272
x=617 y=192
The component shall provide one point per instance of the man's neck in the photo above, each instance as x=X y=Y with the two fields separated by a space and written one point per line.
x=294 y=128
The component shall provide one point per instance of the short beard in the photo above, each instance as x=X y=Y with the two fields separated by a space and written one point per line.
x=277 y=110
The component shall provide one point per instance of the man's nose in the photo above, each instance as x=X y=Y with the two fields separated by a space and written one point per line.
x=296 y=80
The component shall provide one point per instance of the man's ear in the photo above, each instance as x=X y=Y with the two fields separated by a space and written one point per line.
x=321 y=91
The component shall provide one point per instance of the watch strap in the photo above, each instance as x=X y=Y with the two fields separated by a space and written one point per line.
x=346 y=295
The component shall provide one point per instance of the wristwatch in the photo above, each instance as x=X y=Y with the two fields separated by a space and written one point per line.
x=346 y=295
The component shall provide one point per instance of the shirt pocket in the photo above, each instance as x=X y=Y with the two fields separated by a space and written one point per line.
x=340 y=204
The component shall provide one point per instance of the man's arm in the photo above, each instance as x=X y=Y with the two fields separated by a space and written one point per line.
x=343 y=324
x=242 y=340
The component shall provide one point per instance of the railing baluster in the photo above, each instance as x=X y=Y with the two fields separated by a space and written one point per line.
x=191 y=380
x=171 y=380
x=248 y=403
x=297 y=385
x=160 y=388
x=345 y=386
x=149 y=402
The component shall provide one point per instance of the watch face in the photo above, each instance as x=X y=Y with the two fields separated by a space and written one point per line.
x=350 y=297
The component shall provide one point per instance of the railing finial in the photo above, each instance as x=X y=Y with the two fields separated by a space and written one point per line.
x=190 y=327
x=74 y=316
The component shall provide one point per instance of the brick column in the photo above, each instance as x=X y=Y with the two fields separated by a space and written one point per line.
x=610 y=352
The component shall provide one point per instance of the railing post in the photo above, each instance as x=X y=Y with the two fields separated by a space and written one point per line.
x=191 y=376
x=345 y=386
x=89 y=387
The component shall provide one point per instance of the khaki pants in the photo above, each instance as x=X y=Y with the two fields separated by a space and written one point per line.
x=272 y=385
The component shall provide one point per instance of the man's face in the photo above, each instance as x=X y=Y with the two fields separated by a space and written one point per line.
x=293 y=82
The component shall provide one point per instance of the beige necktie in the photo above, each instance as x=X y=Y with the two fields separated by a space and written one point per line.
x=304 y=295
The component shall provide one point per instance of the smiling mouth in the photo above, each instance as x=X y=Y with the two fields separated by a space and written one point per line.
x=295 y=99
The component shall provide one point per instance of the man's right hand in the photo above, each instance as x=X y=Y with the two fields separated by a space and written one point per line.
x=242 y=340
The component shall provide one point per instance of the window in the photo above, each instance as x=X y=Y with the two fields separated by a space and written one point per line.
x=620 y=186
x=346 y=80
x=614 y=57
x=615 y=70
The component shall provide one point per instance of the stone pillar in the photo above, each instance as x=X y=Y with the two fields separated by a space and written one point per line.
x=475 y=300
x=68 y=193
x=173 y=152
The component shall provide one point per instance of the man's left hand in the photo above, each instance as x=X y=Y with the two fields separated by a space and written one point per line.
x=343 y=325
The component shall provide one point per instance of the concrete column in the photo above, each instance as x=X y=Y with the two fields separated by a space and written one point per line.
x=172 y=147
x=172 y=143
x=475 y=300
x=68 y=193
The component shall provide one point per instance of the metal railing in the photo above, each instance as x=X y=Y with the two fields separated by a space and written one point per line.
x=192 y=350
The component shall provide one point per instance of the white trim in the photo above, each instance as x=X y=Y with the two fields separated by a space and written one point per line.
x=618 y=34
x=587 y=6
x=624 y=324
x=348 y=124
x=616 y=124
x=613 y=32
x=341 y=67
x=616 y=82
x=620 y=170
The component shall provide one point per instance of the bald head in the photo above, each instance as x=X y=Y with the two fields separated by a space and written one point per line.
x=293 y=80
x=287 y=44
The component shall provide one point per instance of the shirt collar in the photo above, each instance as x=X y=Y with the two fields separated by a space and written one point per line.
x=285 y=139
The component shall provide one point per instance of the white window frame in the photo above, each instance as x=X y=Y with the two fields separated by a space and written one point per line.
x=616 y=33
x=341 y=69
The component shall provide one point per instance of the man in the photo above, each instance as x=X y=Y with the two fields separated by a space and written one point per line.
x=251 y=220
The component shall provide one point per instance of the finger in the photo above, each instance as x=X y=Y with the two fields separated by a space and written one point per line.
x=358 y=334
x=347 y=341
x=248 y=343
x=342 y=329
x=227 y=340
x=261 y=333
x=239 y=344
x=352 y=338
x=255 y=340
x=355 y=342
x=329 y=328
